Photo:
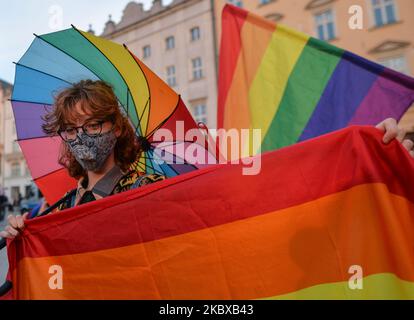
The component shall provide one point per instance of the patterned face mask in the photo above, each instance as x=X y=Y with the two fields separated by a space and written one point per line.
x=92 y=152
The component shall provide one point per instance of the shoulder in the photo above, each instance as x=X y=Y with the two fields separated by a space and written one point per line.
x=147 y=179
x=134 y=179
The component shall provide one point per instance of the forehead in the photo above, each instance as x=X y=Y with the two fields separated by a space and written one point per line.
x=79 y=113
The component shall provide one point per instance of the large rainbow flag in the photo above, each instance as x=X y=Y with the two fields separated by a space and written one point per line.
x=331 y=217
x=294 y=87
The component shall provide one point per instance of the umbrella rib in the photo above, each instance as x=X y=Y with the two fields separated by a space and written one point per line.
x=37 y=36
x=120 y=74
x=127 y=110
x=150 y=167
x=163 y=172
x=185 y=161
x=32 y=102
x=165 y=120
x=172 y=142
x=141 y=166
x=181 y=141
x=164 y=146
x=49 y=173
x=166 y=164
x=146 y=165
x=169 y=167
x=140 y=117
x=146 y=104
x=151 y=161
x=148 y=86
x=31 y=138
x=48 y=74
x=153 y=167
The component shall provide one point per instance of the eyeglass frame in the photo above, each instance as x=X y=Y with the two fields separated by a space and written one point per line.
x=100 y=122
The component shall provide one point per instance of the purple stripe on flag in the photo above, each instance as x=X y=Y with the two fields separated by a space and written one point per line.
x=347 y=88
x=390 y=96
x=28 y=119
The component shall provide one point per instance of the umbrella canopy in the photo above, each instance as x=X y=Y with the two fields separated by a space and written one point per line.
x=57 y=60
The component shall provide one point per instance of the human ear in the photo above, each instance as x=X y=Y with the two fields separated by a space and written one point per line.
x=117 y=132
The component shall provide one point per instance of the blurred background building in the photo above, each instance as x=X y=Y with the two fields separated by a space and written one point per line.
x=15 y=178
x=387 y=36
x=178 y=42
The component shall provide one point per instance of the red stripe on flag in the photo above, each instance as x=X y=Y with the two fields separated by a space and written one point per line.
x=221 y=194
x=233 y=19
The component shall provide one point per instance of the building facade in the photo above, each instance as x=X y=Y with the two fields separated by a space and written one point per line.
x=387 y=34
x=177 y=41
x=15 y=176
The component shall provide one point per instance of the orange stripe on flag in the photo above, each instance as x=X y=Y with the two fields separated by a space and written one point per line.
x=263 y=256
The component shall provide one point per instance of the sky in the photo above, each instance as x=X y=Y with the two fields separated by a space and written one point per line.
x=22 y=18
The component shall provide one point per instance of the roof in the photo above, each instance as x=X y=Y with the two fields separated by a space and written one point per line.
x=5 y=85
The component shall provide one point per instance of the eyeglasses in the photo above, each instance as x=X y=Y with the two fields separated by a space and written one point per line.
x=91 y=129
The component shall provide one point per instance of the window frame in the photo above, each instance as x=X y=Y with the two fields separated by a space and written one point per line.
x=382 y=6
x=171 y=77
x=144 y=51
x=200 y=115
x=197 y=70
x=169 y=43
x=191 y=34
x=15 y=173
x=325 y=22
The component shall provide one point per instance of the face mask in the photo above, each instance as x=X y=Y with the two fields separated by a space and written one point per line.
x=92 y=152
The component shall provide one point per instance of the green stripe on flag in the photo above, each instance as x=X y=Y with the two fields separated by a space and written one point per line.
x=305 y=86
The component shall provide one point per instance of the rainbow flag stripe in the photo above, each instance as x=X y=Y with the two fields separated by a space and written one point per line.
x=292 y=231
x=295 y=87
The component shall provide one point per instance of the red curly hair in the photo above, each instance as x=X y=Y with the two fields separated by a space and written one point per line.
x=97 y=98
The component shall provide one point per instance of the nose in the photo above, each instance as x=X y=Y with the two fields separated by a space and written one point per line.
x=79 y=134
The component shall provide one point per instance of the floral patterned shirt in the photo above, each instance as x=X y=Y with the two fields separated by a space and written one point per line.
x=130 y=180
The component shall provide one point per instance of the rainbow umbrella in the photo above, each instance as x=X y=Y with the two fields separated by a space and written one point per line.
x=57 y=60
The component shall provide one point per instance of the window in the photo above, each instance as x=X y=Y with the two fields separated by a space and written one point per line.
x=396 y=63
x=384 y=12
x=171 y=80
x=170 y=43
x=195 y=33
x=197 y=68
x=238 y=3
x=146 y=51
x=200 y=112
x=15 y=169
x=325 y=25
